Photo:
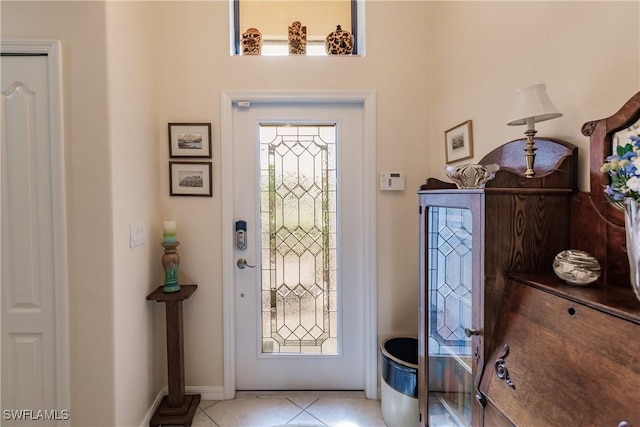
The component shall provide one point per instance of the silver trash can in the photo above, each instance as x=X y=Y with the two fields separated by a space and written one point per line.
x=399 y=385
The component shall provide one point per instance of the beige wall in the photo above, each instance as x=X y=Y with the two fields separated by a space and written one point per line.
x=81 y=28
x=132 y=68
x=587 y=53
x=134 y=135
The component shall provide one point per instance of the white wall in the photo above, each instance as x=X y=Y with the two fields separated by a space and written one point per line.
x=129 y=69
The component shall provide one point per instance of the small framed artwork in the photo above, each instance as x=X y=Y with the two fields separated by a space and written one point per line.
x=459 y=142
x=190 y=140
x=190 y=179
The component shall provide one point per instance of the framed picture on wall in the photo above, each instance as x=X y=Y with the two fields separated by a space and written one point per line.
x=190 y=179
x=190 y=140
x=459 y=142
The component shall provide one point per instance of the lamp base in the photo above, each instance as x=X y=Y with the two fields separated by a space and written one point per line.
x=530 y=153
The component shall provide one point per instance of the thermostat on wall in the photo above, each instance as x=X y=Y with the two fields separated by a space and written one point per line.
x=392 y=181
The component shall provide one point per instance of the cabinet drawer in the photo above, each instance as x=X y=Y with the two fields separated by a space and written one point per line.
x=554 y=362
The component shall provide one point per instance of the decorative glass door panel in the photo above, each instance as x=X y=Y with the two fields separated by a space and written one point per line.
x=298 y=229
x=450 y=316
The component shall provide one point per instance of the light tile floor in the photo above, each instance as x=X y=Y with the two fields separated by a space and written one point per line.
x=300 y=409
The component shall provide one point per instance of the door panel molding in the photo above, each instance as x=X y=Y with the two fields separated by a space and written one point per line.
x=368 y=102
x=53 y=50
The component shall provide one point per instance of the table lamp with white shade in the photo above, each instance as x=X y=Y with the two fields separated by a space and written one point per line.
x=532 y=105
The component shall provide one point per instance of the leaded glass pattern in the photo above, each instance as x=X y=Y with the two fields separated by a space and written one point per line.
x=450 y=269
x=298 y=228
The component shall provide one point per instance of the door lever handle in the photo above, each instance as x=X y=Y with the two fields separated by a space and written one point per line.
x=470 y=332
x=242 y=263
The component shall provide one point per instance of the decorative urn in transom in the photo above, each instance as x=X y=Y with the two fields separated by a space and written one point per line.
x=252 y=42
x=297 y=38
x=339 y=42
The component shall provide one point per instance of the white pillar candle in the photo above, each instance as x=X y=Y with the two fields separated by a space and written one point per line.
x=170 y=231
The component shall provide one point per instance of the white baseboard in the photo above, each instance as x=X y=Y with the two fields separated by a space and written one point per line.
x=147 y=418
x=205 y=392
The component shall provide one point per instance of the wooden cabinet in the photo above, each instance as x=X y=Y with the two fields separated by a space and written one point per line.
x=564 y=356
x=469 y=241
x=526 y=349
x=450 y=287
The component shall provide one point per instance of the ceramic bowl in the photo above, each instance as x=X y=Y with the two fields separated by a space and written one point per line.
x=576 y=267
x=471 y=175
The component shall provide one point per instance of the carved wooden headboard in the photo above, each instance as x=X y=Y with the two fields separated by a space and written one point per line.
x=598 y=226
x=556 y=166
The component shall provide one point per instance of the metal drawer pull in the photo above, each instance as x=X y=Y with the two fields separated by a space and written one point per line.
x=501 y=368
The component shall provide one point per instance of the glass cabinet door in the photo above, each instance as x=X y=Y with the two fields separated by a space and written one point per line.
x=449 y=311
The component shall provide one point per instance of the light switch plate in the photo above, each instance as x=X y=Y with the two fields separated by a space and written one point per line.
x=137 y=235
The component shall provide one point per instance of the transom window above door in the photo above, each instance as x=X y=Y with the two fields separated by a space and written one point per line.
x=272 y=19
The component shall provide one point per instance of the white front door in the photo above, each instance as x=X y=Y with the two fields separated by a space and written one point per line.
x=298 y=174
x=33 y=268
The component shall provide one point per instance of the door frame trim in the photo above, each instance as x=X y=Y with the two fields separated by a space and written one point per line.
x=367 y=99
x=53 y=50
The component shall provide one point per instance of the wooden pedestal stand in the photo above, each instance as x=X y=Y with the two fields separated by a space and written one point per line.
x=176 y=408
